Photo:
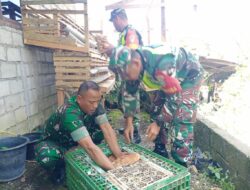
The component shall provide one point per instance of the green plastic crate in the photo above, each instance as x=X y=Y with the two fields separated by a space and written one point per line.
x=83 y=173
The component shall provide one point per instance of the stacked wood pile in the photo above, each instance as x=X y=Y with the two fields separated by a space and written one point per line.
x=72 y=68
x=62 y=25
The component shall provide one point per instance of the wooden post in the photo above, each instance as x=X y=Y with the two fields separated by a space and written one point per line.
x=86 y=26
x=163 y=24
x=0 y=9
x=60 y=97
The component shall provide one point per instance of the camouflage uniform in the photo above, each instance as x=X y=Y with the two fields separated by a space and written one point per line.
x=171 y=112
x=122 y=87
x=64 y=128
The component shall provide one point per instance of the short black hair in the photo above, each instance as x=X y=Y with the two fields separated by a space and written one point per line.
x=87 y=85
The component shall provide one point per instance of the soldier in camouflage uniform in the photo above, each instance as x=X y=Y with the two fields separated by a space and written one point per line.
x=131 y=38
x=81 y=121
x=174 y=76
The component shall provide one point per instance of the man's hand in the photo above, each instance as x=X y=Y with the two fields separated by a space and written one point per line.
x=103 y=45
x=152 y=131
x=129 y=133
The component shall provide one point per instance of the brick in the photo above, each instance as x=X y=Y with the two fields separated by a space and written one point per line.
x=33 y=108
x=5 y=90
x=2 y=53
x=8 y=70
x=49 y=57
x=48 y=112
x=28 y=55
x=16 y=86
x=20 y=128
x=32 y=95
x=17 y=39
x=36 y=120
x=31 y=82
x=2 y=108
x=40 y=55
x=13 y=102
x=13 y=54
x=5 y=37
x=20 y=114
x=7 y=120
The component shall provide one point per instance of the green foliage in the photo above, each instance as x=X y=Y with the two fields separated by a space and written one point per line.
x=222 y=179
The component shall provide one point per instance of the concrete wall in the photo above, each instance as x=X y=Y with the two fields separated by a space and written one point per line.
x=27 y=83
x=224 y=148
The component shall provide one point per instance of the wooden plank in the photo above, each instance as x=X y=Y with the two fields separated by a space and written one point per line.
x=38 y=21
x=99 y=79
x=70 y=54
x=43 y=2
x=53 y=11
x=68 y=84
x=72 y=70
x=72 y=77
x=60 y=97
x=55 y=45
x=48 y=38
x=72 y=64
x=107 y=85
x=75 y=59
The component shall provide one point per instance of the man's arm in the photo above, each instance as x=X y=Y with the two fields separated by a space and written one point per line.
x=111 y=139
x=95 y=153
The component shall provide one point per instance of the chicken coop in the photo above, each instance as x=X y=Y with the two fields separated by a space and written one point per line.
x=62 y=25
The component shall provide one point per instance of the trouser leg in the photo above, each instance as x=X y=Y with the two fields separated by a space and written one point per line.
x=182 y=124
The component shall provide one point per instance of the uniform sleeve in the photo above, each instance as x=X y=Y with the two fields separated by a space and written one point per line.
x=73 y=122
x=132 y=39
x=100 y=115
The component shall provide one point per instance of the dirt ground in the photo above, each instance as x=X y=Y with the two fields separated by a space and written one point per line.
x=35 y=178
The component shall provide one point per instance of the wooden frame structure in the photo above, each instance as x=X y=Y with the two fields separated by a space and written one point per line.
x=72 y=68
x=53 y=24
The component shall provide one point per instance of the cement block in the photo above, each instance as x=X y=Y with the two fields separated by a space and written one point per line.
x=5 y=90
x=13 y=102
x=33 y=108
x=32 y=95
x=2 y=53
x=5 y=37
x=17 y=39
x=48 y=112
x=13 y=54
x=200 y=140
x=28 y=55
x=36 y=120
x=2 y=108
x=16 y=86
x=20 y=114
x=7 y=120
x=20 y=128
x=8 y=70
x=49 y=57
x=40 y=55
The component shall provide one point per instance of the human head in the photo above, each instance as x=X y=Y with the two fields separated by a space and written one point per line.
x=119 y=18
x=88 y=97
x=127 y=62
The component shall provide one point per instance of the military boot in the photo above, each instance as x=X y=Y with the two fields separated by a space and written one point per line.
x=161 y=150
x=137 y=137
x=58 y=174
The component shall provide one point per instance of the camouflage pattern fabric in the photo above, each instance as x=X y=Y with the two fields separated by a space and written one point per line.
x=124 y=92
x=175 y=113
x=64 y=128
